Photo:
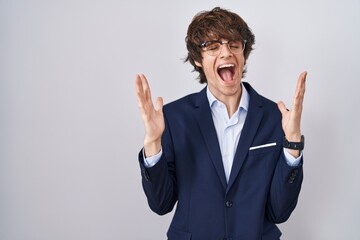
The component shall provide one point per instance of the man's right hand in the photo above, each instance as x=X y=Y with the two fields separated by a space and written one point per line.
x=153 y=119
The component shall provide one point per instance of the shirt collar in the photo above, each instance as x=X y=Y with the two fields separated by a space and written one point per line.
x=244 y=100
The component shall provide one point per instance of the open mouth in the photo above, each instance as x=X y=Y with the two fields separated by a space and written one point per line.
x=226 y=72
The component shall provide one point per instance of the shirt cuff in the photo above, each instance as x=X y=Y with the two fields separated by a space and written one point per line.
x=290 y=160
x=151 y=161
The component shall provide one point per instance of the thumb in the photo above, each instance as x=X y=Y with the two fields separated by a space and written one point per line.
x=282 y=107
x=159 y=104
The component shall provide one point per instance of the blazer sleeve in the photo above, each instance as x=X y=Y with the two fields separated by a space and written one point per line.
x=284 y=191
x=159 y=181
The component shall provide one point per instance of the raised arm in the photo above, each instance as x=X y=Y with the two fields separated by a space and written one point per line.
x=152 y=117
x=291 y=119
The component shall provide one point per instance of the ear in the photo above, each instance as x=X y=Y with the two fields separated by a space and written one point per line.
x=198 y=64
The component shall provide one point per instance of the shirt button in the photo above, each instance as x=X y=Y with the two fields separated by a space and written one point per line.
x=228 y=204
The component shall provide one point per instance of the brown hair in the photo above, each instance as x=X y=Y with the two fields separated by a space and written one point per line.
x=215 y=24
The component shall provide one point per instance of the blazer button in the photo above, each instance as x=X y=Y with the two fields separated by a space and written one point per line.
x=228 y=204
x=293 y=176
x=145 y=175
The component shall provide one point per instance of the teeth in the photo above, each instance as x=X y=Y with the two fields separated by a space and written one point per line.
x=226 y=65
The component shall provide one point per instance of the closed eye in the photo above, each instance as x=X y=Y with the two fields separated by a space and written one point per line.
x=235 y=45
x=212 y=46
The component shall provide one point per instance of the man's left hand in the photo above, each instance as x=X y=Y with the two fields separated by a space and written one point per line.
x=291 y=118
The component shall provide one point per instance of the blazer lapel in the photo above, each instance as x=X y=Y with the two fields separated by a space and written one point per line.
x=252 y=122
x=204 y=118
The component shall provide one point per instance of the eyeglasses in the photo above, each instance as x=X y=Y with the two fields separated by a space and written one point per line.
x=214 y=47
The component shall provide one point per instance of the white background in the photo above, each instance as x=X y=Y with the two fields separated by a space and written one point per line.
x=70 y=129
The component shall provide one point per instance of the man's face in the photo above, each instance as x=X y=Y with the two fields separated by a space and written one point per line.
x=223 y=72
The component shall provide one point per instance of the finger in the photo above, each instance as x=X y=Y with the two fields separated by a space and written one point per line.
x=145 y=93
x=146 y=88
x=299 y=92
x=138 y=84
x=300 y=88
x=282 y=108
x=139 y=89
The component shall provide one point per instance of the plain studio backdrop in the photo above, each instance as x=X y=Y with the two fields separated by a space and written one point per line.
x=70 y=129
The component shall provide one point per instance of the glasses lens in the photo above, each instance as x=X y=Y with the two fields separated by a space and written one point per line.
x=236 y=47
x=213 y=47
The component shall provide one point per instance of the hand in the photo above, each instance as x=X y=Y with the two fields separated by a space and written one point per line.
x=291 y=118
x=153 y=119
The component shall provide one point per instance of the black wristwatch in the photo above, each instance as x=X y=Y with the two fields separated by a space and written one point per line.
x=294 y=145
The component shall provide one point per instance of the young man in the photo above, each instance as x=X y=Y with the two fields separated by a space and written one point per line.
x=230 y=158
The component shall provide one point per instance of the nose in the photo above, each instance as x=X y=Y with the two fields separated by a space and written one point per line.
x=225 y=50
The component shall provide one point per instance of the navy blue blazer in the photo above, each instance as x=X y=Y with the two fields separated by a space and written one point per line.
x=262 y=189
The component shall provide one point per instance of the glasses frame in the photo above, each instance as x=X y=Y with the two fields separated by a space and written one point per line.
x=203 y=46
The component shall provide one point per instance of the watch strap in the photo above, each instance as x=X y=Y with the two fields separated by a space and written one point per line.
x=294 y=145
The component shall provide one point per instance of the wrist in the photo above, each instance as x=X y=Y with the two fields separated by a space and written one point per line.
x=152 y=148
x=296 y=137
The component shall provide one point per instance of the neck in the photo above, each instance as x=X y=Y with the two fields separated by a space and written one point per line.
x=232 y=104
x=231 y=101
